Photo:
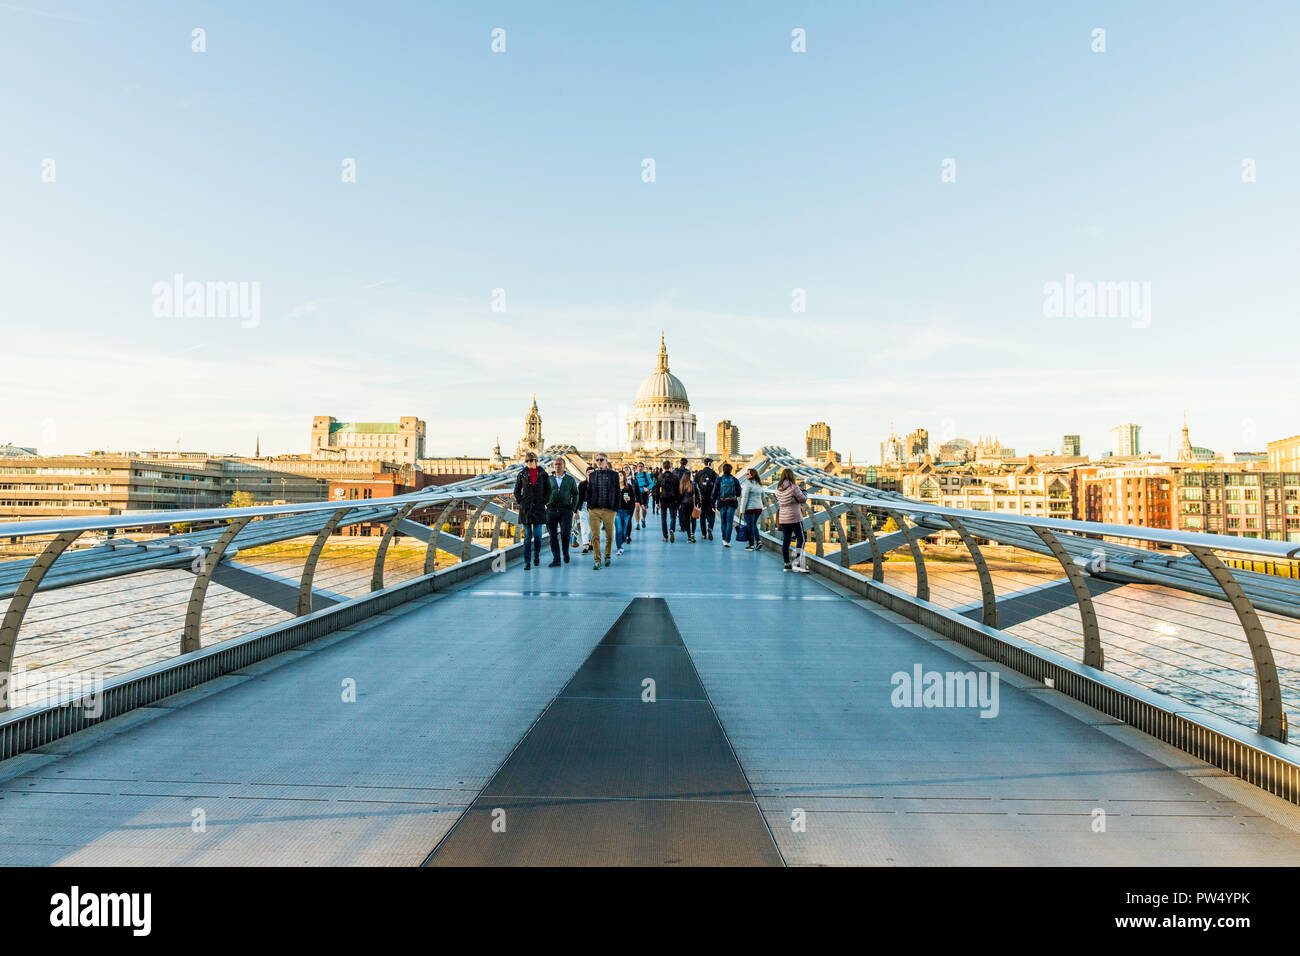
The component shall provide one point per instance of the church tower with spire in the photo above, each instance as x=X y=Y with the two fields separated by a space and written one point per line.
x=1185 y=451
x=532 y=440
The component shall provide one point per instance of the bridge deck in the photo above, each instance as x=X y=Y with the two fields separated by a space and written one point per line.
x=486 y=685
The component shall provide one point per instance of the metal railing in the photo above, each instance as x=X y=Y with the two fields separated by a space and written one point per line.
x=103 y=596
x=1079 y=587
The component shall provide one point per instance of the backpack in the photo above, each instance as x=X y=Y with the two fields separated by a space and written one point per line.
x=728 y=490
x=668 y=488
x=705 y=482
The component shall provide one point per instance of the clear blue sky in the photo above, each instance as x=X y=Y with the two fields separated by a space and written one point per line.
x=522 y=171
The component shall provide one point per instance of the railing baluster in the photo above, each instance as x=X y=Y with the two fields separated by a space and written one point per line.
x=377 y=575
x=914 y=543
x=309 y=566
x=191 y=638
x=1272 y=718
x=1092 y=651
x=19 y=603
x=989 y=597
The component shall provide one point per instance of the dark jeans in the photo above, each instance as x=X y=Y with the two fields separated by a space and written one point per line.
x=751 y=524
x=706 y=518
x=559 y=522
x=794 y=529
x=726 y=515
x=667 y=515
x=684 y=520
x=533 y=543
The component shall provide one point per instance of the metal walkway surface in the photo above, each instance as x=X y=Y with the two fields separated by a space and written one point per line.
x=513 y=693
x=628 y=766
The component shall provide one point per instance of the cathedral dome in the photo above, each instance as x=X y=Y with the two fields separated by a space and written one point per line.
x=661 y=423
x=662 y=386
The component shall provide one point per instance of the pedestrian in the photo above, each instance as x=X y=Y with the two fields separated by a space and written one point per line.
x=627 y=498
x=706 y=482
x=687 y=502
x=726 y=496
x=643 y=495
x=582 y=517
x=629 y=479
x=789 y=496
x=669 y=492
x=750 y=507
x=532 y=489
x=602 y=503
x=559 y=512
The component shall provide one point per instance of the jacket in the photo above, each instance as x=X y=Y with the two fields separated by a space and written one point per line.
x=789 y=496
x=751 y=496
x=669 y=490
x=690 y=498
x=726 y=491
x=602 y=489
x=530 y=496
x=706 y=483
x=564 y=493
x=628 y=496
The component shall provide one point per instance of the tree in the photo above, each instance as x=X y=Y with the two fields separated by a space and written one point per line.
x=241 y=499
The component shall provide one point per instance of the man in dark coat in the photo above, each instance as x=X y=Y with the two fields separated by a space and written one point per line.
x=603 y=497
x=532 y=489
x=559 y=511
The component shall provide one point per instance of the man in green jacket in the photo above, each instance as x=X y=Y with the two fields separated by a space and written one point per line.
x=559 y=512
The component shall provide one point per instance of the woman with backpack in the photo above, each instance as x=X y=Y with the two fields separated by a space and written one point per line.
x=789 y=496
x=726 y=494
x=750 y=507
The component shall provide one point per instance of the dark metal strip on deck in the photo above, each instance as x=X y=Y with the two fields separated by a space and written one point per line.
x=606 y=778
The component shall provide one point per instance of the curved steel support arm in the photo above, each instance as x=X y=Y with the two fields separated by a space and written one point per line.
x=469 y=530
x=19 y=603
x=191 y=639
x=833 y=515
x=377 y=575
x=877 y=567
x=914 y=543
x=431 y=555
x=1092 y=652
x=1272 y=719
x=989 y=596
x=309 y=566
x=496 y=531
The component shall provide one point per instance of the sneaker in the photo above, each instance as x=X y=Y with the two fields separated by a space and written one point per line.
x=528 y=567
x=596 y=567
x=665 y=539
x=802 y=570
x=726 y=544
x=554 y=564
x=787 y=568
x=749 y=547
x=619 y=552
x=672 y=535
x=607 y=562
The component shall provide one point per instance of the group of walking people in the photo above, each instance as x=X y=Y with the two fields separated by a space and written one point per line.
x=616 y=503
